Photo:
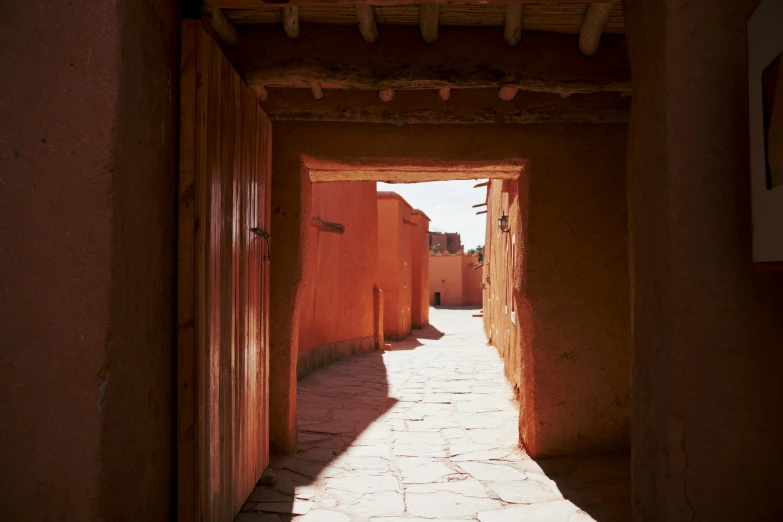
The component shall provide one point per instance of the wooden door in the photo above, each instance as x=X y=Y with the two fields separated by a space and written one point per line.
x=223 y=285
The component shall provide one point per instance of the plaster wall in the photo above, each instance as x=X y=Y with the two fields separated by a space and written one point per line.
x=471 y=281
x=708 y=328
x=420 y=266
x=446 y=279
x=543 y=146
x=88 y=177
x=338 y=313
x=395 y=264
x=561 y=272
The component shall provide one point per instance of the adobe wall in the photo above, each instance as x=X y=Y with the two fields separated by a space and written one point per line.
x=420 y=262
x=395 y=265
x=708 y=328
x=568 y=348
x=338 y=309
x=88 y=178
x=471 y=281
x=446 y=278
x=598 y=157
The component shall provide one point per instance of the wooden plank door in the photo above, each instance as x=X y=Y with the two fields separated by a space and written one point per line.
x=223 y=285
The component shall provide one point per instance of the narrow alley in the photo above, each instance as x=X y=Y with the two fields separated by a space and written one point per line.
x=427 y=430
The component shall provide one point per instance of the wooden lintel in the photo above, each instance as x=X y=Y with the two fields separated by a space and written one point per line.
x=481 y=212
x=409 y=222
x=592 y=27
x=250 y=4
x=464 y=57
x=216 y=23
x=464 y=106
x=480 y=205
x=512 y=30
x=327 y=226
x=483 y=184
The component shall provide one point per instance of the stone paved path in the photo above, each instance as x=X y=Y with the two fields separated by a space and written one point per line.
x=425 y=431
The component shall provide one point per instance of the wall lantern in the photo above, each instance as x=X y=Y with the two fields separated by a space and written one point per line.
x=503 y=222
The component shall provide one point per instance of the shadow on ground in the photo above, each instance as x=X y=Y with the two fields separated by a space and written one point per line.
x=428 y=433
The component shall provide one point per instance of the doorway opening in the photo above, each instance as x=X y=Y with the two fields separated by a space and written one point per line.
x=437 y=299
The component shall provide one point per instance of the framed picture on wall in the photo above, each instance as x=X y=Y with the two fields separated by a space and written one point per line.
x=765 y=76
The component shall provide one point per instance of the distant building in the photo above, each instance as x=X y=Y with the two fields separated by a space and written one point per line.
x=403 y=265
x=455 y=279
x=446 y=242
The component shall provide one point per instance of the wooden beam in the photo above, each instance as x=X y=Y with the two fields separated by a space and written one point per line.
x=290 y=15
x=315 y=88
x=367 y=26
x=429 y=19
x=216 y=23
x=327 y=226
x=260 y=92
x=482 y=212
x=465 y=57
x=512 y=30
x=444 y=93
x=507 y=93
x=592 y=27
x=251 y=4
x=480 y=204
x=465 y=106
x=386 y=95
x=483 y=184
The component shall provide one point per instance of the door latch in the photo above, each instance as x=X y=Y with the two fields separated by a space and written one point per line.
x=266 y=236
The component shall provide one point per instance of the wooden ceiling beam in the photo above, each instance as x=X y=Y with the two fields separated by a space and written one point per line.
x=429 y=20
x=465 y=106
x=463 y=57
x=367 y=26
x=592 y=27
x=290 y=16
x=512 y=30
x=216 y=23
x=250 y=4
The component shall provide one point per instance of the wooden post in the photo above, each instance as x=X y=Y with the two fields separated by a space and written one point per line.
x=327 y=226
x=429 y=18
x=592 y=27
x=512 y=31
x=366 y=17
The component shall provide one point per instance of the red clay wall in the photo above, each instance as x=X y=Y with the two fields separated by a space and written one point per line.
x=337 y=316
x=708 y=328
x=420 y=261
x=446 y=278
x=568 y=348
x=394 y=264
x=88 y=203
x=472 y=295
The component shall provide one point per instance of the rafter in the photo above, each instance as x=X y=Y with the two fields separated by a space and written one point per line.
x=592 y=27
x=429 y=19
x=512 y=30
x=367 y=26
x=290 y=15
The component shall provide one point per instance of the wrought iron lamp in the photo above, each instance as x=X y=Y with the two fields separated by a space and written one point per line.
x=503 y=222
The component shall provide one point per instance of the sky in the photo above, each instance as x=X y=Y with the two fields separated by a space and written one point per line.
x=448 y=204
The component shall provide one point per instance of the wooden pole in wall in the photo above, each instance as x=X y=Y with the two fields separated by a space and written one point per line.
x=512 y=31
x=592 y=27
x=367 y=26
x=429 y=18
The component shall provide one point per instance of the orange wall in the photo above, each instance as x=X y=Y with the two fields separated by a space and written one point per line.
x=342 y=269
x=394 y=264
x=562 y=271
x=420 y=260
x=453 y=276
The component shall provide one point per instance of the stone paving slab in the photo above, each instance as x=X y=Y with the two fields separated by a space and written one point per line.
x=427 y=431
